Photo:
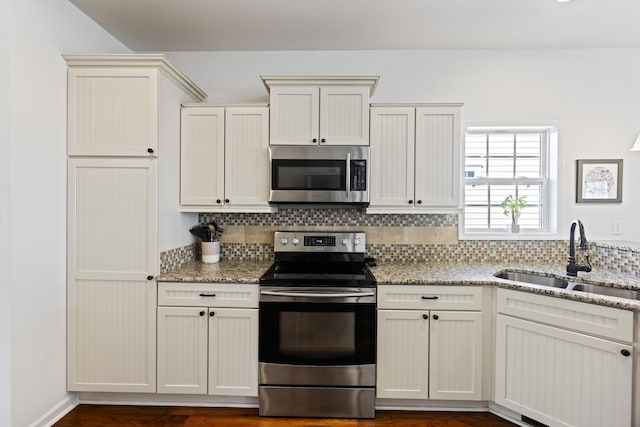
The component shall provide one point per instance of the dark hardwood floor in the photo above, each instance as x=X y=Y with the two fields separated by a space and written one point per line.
x=134 y=416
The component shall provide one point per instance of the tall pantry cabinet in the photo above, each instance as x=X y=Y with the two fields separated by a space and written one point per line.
x=117 y=110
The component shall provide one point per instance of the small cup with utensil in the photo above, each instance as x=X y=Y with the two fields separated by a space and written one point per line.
x=210 y=234
x=210 y=252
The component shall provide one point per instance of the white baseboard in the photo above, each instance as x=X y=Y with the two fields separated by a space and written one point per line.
x=149 y=399
x=58 y=411
x=431 y=405
x=507 y=414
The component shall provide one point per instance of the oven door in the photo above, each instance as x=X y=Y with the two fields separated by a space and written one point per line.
x=317 y=326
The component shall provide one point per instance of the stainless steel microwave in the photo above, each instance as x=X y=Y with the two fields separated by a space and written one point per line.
x=334 y=176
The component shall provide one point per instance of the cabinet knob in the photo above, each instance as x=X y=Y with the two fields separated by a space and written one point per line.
x=322 y=141
x=226 y=200
x=202 y=313
x=149 y=277
x=425 y=316
x=410 y=202
x=436 y=317
x=212 y=313
x=218 y=201
x=625 y=352
x=150 y=150
x=419 y=202
x=314 y=140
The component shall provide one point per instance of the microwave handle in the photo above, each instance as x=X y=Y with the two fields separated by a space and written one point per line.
x=348 y=173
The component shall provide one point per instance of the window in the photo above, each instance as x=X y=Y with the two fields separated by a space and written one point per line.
x=506 y=161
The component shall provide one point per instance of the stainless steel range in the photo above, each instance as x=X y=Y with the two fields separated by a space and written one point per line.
x=317 y=340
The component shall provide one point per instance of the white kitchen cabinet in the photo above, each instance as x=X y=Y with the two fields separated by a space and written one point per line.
x=246 y=159
x=224 y=158
x=121 y=109
x=428 y=353
x=403 y=354
x=319 y=110
x=212 y=348
x=182 y=350
x=416 y=151
x=552 y=369
x=112 y=260
x=233 y=351
x=112 y=103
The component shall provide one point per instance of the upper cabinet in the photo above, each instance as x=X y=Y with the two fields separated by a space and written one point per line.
x=224 y=158
x=415 y=151
x=113 y=103
x=319 y=111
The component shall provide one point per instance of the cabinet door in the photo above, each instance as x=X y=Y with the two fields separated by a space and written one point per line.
x=562 y=378
x=233 y=352
x=112 y=259
x=344 y=115
x=455 y=357
x=112 y=112
x=182 y=350
x=294 y=115
x=437 y=177
x=392 y=156
x=403 y=354
x=202 y=156
x=247 y=156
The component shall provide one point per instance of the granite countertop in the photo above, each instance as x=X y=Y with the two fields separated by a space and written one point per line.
x=430 y=274
x=220 y=272
x=483 y=274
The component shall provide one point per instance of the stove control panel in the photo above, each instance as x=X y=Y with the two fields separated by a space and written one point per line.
x=319 y=241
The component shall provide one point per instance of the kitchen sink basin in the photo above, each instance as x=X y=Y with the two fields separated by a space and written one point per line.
x=535 y=279
x=604 y=290
x=555 y=282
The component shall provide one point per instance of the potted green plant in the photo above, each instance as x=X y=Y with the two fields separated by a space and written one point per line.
x=513 y=206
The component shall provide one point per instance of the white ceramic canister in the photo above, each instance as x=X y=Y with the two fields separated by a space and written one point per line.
x=210 y=252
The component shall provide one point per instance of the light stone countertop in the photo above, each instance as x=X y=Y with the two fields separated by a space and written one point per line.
x=420 y=273
x=220 y=272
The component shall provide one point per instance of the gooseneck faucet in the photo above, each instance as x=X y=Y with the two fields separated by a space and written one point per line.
x=572 y=267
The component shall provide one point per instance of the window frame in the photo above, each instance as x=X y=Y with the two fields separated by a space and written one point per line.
x=545 y=181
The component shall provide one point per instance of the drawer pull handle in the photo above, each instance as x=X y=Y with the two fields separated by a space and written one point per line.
x=207 y=295
x=434 y=297
x=625 y=352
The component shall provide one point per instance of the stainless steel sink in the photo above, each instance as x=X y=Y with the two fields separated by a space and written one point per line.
x=535 y=279
x=555 y=282
x=604 y=290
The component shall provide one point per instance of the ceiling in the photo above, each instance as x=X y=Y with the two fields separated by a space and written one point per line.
x=243 y=25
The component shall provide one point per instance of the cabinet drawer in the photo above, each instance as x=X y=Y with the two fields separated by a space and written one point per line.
x=208 y=295
x=420 y=297
x=591 y=319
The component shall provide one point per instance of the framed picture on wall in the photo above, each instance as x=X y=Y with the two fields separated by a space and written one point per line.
x=599 y=181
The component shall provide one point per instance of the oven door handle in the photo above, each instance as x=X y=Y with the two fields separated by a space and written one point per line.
x=317 y=295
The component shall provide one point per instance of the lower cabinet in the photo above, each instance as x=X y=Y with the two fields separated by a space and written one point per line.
x=429 y=353
x=210 y=348
x=561 y=377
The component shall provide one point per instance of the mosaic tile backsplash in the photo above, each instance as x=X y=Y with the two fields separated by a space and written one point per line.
x=395 y=238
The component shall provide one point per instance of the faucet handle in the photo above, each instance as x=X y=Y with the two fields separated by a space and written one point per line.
x=587 y=268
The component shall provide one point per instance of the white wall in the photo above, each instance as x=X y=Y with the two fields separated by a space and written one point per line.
x=593 y=95
x=42 y=31
x=5 y=230
x=173 y=225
